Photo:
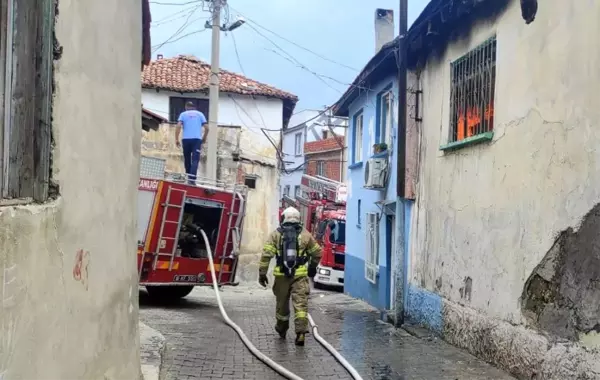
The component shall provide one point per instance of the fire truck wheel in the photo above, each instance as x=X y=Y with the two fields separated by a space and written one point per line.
x=168 y=293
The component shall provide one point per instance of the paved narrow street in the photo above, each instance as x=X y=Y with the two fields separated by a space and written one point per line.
x=201 y=346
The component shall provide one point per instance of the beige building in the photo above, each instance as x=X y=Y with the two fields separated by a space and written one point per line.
x=504 y=256
x=71 y=141
x=250 y=114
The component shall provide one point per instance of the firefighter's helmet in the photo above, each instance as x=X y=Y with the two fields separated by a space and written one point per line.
x=290 y=215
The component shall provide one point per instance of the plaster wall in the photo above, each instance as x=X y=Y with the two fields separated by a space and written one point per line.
x=69 y=296
x=487 y=216
x=261 y=203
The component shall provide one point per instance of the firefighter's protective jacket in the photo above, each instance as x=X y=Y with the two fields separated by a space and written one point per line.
x=308 y=247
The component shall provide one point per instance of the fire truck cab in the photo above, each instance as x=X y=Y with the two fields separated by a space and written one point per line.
x=172 y=256
x=322 y=208
x=331 y=235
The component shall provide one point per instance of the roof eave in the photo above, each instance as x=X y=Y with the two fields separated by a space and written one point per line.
x=341 y=107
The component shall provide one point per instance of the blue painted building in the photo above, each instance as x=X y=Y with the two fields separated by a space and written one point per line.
x=376 y=223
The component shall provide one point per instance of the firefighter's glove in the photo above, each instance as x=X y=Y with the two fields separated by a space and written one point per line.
x=312 y=271
x=263 y=280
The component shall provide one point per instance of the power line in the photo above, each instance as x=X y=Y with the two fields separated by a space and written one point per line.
x=181 y=29
x=294 y=43
x=181 y=14
x=177 y=4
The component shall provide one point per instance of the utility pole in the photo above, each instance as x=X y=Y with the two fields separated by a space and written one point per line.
x=400 y=282
x=213 y=97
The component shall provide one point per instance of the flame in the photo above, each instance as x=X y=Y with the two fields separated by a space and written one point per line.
x=472 y=120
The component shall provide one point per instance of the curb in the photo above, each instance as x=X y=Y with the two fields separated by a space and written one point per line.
x=152 y=345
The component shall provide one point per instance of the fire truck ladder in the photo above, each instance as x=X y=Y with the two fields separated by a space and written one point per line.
x=167 y=206
x=233 y=233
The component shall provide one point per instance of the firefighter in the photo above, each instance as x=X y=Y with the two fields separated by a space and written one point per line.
x=297 y=255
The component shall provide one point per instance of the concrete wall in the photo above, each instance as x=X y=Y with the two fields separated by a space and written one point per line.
x=262 y=205
x=355 y=283
x=67 y=268
x=487 y=215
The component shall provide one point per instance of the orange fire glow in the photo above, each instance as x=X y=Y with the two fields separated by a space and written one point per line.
x=473 y=120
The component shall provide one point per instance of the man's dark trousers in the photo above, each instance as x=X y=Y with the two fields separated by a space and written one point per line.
x=191 y=157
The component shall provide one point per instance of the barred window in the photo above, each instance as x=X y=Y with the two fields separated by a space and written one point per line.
x=473 y=78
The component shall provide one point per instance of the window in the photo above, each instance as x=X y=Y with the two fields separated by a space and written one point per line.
x=473 y=79
x=338 y=232
x=358 y=138
x=177 y=106
x=250 y=181
x=321 y=230
x=298 y=144
x=286 y=190
x=325 y=134
x=26 y=62
x=321 y=168
x=372 y=248
x=385 y=119
x=297 y=192
x=359 y=213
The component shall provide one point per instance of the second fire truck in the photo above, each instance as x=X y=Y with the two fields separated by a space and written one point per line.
x=322 y=206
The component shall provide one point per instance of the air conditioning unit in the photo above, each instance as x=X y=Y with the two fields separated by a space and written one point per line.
x=376 y=173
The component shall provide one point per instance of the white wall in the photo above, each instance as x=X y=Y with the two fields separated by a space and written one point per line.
x=491 y=212
x=54 y=325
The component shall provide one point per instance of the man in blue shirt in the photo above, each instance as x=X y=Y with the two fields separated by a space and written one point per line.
x=195 y=128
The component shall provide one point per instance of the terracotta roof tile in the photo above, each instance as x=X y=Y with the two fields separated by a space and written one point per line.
x=189 y=74
x=324 y=145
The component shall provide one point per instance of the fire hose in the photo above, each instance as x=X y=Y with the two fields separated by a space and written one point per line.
x=259 y=355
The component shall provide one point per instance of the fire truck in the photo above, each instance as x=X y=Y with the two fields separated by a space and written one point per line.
x=172 y=258
x=322 y=208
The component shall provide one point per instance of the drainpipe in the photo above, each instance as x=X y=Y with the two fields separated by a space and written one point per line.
x=400 y=274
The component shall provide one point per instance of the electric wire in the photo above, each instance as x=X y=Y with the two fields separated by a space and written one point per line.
x=294 y=43
x=255 y=351
x=181 y=29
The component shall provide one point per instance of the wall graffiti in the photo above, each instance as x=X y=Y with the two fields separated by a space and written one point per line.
x=80 y=269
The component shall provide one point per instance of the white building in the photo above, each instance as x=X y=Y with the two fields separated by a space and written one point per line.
x=258 y=109
x=304 y=126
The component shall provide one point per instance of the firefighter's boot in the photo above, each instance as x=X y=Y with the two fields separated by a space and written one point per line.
x=281 y=331
x=300 y=338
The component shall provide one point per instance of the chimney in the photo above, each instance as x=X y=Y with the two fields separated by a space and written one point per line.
x=159 y=56
x=384 y=27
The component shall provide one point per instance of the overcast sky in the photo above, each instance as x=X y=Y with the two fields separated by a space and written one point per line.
x=339 y=30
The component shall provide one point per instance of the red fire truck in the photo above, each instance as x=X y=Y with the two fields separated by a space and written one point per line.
x=322 y=207
x=171 y=257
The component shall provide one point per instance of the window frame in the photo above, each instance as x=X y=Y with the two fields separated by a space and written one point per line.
x=286 y=190
x=202 y=105
x=381 y=132
x=252 y=179
x=472 y=100
x=298 y=144
x=297 y=191
x=357 y=139
x=372 y=248
x=320 y=171
x=26 y=71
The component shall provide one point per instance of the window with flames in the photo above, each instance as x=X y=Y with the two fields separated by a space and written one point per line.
x=473 y=78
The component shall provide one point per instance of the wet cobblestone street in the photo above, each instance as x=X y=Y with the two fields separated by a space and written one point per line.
x=201 y=346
